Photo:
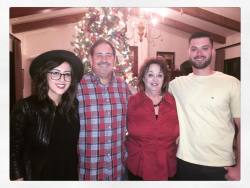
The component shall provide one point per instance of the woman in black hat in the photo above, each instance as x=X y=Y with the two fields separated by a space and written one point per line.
x=44 y=127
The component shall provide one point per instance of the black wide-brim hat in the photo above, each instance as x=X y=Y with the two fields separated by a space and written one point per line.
x=54 y=55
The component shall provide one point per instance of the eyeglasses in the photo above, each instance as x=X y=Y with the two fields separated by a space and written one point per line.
x=100 y=56
x=58 y=75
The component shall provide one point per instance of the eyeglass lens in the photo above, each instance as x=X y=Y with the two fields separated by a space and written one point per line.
x=58 y=75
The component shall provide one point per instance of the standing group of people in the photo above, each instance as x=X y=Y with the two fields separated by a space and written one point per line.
x=93 y=127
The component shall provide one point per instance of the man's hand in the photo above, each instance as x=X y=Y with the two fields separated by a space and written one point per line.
x=233 y=173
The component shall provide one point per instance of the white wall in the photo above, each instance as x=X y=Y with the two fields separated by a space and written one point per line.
x=170 y=40
x=134 y=39
x=36 y=42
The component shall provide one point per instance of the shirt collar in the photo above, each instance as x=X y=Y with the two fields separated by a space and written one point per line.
x=166 y=98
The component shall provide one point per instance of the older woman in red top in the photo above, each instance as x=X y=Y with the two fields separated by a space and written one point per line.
x=153 y=126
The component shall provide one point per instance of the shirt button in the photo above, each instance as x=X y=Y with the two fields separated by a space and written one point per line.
x=109 y=156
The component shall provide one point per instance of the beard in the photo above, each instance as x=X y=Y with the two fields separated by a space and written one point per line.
x=202 y=64
x=103 y=69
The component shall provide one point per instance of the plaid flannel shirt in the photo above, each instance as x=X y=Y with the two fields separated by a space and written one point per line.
x=102 y=110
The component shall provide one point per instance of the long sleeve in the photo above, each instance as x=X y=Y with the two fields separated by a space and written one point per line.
x=17 y=126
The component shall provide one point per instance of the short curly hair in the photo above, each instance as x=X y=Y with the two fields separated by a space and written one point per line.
x=144 y=69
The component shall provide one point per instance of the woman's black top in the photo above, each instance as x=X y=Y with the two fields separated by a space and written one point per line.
x=43 y=141
x=62 y=154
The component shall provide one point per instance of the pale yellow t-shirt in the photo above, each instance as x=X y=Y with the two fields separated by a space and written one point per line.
x=206 y=106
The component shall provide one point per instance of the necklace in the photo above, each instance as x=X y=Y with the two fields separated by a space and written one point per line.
x=158 y=104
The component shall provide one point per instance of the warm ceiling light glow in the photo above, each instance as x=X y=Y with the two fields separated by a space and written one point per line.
x=161 y=11
x=46 y=10
x=154 y=21
x=147 y=16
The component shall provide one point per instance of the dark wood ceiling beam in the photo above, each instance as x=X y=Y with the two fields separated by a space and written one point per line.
x=209 y=16
x=22 y=27
x=191 y=29
x=180 y=26
x=27 y=11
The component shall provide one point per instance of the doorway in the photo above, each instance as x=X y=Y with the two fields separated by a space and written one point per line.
x=232 y=67
x=16 y=71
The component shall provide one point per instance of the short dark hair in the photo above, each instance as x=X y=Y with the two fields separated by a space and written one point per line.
x=97 y=43
x=201 y=35
x=144 y=69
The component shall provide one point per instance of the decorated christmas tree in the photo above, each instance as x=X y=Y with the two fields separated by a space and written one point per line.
x=110 y=24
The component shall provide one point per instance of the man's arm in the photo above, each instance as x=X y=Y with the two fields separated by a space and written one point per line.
x=234 y=172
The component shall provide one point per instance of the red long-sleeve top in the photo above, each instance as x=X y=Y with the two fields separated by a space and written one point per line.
x=151 y=142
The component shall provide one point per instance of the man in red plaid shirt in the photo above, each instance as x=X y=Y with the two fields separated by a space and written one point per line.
x=102 y=109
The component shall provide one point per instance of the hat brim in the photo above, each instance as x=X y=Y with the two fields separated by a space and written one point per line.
x=64 y=55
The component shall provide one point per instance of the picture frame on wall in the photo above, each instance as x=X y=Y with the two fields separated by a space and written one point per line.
x=169 y=58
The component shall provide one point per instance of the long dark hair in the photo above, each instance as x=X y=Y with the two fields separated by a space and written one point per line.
x=144 y=69
x=68 y=102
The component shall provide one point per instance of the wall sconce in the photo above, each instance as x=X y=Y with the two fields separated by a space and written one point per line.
x=141 y=30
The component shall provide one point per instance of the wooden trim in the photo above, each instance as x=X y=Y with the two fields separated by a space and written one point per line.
x=229 y=46
x=134 y=56
x=18 y=28
x=14 y=37
x=22 y=27
x=27 y=11
x=209 y=16
x=191 y=29
x=17 y=71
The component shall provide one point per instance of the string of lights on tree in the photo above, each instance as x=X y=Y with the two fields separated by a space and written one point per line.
x=110 y=24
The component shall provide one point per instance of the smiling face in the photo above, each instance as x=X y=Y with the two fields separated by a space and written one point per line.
x=102 y=61
x=153 y=79
x=200 y=52
x=59 y=80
